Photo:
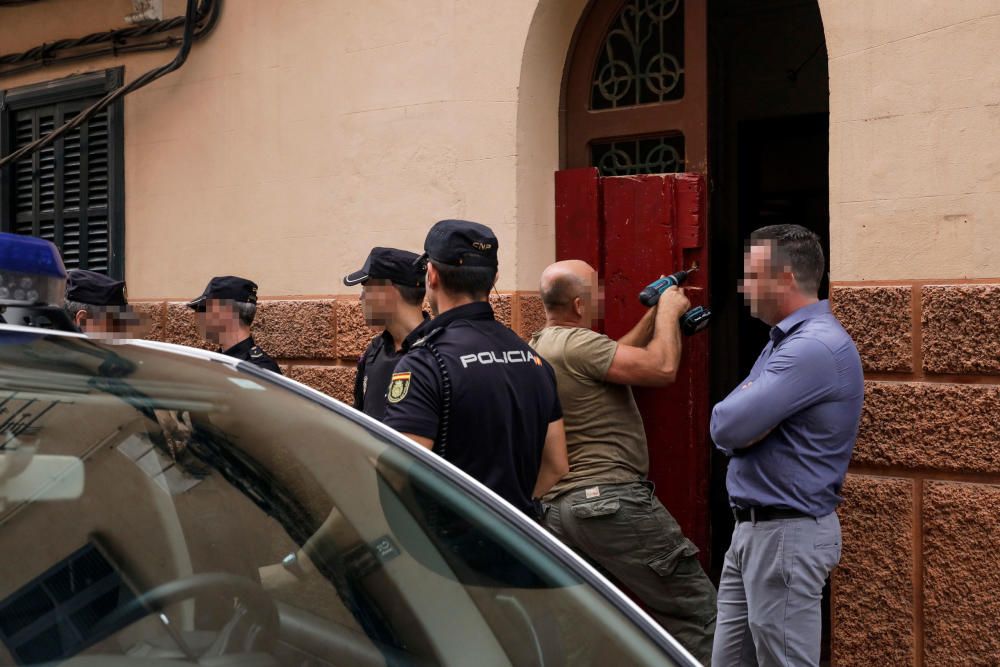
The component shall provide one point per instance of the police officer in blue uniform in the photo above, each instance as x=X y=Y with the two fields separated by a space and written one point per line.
x=226 y=309
x=469 y=388
x=97 y=304
x=392 y=296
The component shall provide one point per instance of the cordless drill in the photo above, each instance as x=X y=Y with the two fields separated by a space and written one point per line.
x=693 y=320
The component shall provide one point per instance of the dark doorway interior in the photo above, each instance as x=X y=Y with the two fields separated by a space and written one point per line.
x=783 y=177
x=768 y=144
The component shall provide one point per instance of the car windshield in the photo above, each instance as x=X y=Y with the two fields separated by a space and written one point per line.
x=158 y=507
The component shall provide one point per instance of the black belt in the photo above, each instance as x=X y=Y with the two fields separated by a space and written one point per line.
x=755 y=514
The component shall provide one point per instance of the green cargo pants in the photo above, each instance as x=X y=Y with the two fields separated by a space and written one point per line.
x=627 y=533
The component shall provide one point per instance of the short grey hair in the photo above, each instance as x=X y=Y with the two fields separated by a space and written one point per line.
x=73 y=307
x=246 y=311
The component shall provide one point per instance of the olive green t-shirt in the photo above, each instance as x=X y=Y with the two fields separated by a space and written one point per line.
x=604 y=433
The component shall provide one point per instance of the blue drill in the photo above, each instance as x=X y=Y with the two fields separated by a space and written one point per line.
x=693 y=320
x=651 y=292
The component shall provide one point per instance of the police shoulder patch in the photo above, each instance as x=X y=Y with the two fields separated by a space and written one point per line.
x=398 y=387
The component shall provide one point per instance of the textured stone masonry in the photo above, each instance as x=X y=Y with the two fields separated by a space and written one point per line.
x=931 y=426
x=353 y=335
x=503 y=308
x=873 y=624
x=961 y=574
x=879 y=320
x=532 y=315
x=297 y=329
x=153 y=315
x=961 y=328
x=330 y=330
x=180 y=327
x=336 y=381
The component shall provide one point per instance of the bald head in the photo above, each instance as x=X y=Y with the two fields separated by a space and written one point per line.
x=563 y=282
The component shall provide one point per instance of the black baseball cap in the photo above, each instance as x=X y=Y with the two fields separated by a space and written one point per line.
x=461 y=243
x=398 y=266
x=95 y=289
x=233 y=288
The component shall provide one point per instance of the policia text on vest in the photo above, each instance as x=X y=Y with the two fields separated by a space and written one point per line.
x=468 y=387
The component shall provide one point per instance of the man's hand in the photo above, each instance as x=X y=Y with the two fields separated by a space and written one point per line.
x=674 y=300
x=656 y=363
x=177 y=429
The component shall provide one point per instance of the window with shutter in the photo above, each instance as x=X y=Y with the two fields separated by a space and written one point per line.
x=71 y=191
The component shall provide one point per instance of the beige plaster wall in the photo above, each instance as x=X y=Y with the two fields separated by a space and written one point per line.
x=538 y=131
x=914 y=122
x=301 y=133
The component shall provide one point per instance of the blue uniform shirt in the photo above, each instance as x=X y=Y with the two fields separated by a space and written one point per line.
x=500 y=397
x=802 y=401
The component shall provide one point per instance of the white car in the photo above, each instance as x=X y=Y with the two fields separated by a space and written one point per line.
x=160 y=505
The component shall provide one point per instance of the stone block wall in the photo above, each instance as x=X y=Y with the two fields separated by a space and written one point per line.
x=318 y=341
x=920 y=574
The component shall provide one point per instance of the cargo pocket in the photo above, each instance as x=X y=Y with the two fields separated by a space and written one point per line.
x=590 y=509
x=679 y=560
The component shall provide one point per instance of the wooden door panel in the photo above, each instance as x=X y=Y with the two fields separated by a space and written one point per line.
x=633 y=229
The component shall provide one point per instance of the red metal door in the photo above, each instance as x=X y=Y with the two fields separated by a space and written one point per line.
x=632 y=229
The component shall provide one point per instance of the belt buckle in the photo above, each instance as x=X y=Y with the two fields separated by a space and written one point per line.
x=750 y=512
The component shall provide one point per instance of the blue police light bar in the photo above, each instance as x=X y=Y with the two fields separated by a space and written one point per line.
x=31 y=272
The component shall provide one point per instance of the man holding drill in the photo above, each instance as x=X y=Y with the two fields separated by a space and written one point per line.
x=604 y=507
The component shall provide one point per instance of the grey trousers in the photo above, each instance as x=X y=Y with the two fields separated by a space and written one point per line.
x=771 y=589
x=627 y=533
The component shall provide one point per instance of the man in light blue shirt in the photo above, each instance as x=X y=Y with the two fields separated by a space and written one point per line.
x=789 y=428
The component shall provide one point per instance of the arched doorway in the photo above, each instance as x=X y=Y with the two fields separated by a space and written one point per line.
x=736 y=91
x=636 y=94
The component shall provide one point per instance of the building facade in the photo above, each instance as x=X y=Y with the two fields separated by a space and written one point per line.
x=299 y=134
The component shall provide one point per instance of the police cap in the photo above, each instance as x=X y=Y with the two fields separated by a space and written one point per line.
x=397 y=266
x=461 y=243
x=233 y=288
x=95 y=289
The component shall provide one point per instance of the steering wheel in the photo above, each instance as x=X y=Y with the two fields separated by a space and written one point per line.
x=253 y=626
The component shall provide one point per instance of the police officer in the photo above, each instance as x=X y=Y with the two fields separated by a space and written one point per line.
x=96 y=303
x=226 y=310
x=468 y=387
x=392 y=295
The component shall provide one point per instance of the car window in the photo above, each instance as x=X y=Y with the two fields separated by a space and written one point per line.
x=160 y=506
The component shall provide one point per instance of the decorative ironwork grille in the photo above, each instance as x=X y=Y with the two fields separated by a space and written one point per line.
x=642 y=57
x=630 y=157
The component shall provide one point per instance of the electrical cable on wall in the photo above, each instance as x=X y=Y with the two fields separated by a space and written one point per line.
x=51 y=53
x=107 y=100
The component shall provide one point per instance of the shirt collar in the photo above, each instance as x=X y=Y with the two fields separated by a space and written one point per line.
x=387 y=338
x=790 y=323
x=242 y=346
x=477 y=310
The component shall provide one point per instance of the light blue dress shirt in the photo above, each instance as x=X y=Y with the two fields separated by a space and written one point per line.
x=790 y=425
